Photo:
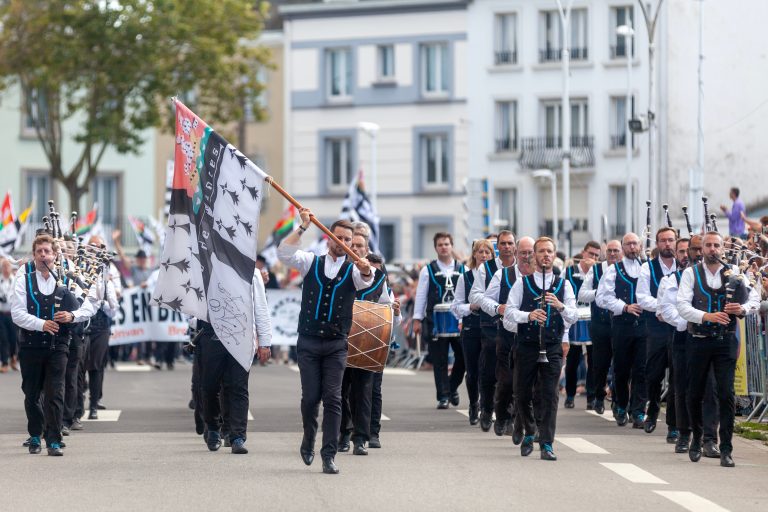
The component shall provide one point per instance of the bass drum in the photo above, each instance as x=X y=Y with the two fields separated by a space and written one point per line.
x=369 y=337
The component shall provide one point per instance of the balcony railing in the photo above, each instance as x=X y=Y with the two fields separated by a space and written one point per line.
x=547 y=152
x=506 y=145
x=555 y=54
x=503 y=57
x=620 y=51
x=620 y=141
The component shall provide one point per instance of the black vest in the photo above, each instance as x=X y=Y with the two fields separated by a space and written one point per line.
x=487 y=320
x=554 y=327
x=625 y=289
x=373 y=292
x=471 y=322
x=508 y=278
x=437 y=283
x=711 y=301
x=44 y=306
x=599 y=314
x=326 y=304
x=653 y=324
x=572 y=275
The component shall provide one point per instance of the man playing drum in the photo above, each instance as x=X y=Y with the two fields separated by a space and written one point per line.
x=327 y=299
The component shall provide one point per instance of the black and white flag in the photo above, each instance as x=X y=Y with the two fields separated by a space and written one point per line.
x=357 y=207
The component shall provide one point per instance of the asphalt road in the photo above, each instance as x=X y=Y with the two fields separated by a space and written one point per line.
x=149 y=458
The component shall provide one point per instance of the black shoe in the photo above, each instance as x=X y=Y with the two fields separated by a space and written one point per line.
x=485 y=421
x=329 y=467
x=672 y=436
x=455 y=399
x=375 y=442
x=694 y=452
x=638 y=421
x=726 y=460
x=76 y=425
x=226 y=442
x=307 y=452
x=100 y=406
x=527 y=447
x=621 y=417
x=191 y=404
x=569 y=403
x=498 y=427
x=711 y=451
x=54 y=449
x=238 y=446
x=65 y=430
x=682 y=444
x=517 y=436
x=34 y=445
x=26 y=442
x=599 y=406
x=93 y=414
x=359 y=449
x=649 y=425
x=63 y=444
x=344 y=443
x=442 y=404
x=547 y=453
x=509 y=427
x=213 y=440
x=590 y=405
x=474 y=413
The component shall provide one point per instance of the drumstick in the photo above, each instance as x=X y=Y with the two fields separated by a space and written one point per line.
x=418 y=345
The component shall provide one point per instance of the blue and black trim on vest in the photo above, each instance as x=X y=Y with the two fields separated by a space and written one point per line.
x=654 y=326
x=709 y=300
x=326 y=304
x=471 y=322
x=373 y=292
x=554 y=327
x=598 y=314
x=576 y=282
x=626 y=290
x=487 y=321
x=43 y=307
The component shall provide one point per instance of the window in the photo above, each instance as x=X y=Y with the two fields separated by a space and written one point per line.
x=506 y=126
x=38 y=188
x=617 y=209
x=386 y=62
x=551 y=37
x=338 y=163
x=261 y=100
x=434 y=160
x=619 y=121
x=505 y=39
x=553 y=122
x=339 y=73
x=505 y=209
x=387 y=237
x=434 y=69
x=35 y=112
x=106 y=194
x=621 y=16
x=425 y=231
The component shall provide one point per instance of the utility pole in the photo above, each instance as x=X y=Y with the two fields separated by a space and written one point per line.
x=565 y=19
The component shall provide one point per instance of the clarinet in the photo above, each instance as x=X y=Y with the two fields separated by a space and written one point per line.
x=543 y=305
x=687 y=221
x=706 y=214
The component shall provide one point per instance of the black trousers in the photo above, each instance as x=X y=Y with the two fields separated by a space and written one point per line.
x=602 y=353
x=7 y=338
x=71 y=377
x=445 y=384
x=166 y=352
x=197 y=389
x=719 y=354
x=629 y=365
x=376 y=404
x=356 y=404
x=658 y=359
x=487 y=367
x=471 y=346
x=96 y=363
x=82 y=380
x=709 y=404
x=572 y=363
x=42 y=371
x=527 y=372
x=321 y=367
x=504 y=398
x=221 y=375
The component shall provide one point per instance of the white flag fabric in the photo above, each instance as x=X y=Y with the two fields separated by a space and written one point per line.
x=209 y=256
x=358 y=207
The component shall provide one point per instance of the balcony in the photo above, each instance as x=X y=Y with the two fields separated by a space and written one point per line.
x=506 y=145
x=504 y=58
x=620 y=141
x=620 y=51
x=555 y=54
x=547 y=152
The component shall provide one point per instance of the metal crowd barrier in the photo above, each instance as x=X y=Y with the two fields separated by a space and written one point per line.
x=757 y=366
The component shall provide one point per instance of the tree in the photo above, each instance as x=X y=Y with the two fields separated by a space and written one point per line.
x=111 y=66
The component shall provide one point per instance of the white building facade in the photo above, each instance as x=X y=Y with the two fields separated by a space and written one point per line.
x=515 y=97
x=401 y=65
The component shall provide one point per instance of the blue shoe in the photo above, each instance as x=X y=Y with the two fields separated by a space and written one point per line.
x=527 y=447
x=672 y=436
x=638 y=420
x=547 y=453
x=34 y=445
x=238 y=446
x=55 y=450
x=621 y=417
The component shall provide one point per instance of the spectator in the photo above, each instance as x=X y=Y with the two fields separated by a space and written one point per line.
x=735 y=220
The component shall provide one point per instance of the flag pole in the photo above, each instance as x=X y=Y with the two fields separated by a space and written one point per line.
x=312 y=218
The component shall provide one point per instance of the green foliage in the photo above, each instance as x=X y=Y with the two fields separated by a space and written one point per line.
x=116 y=64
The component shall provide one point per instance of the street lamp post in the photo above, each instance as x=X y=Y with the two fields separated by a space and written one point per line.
x=627 y=33
x=565 y=18
x=372 y=130
x=552 y=176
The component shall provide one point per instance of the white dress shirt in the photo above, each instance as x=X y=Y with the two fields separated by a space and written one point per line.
x=293 y=256
x=586 y=292
x=644 y=296
x=667 y=298
x=606 y=290
x=422 y=289
x=478 y=288
x=6 y=291
x=460 y=307
x=685 y=294
x=513 y=316
x=489 y=301
x=387 y=297
x=261 y=311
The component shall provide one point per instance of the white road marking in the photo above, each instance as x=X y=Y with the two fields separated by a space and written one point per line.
x=580 y=445
x=465 y=412
x=385 y=418
x=398 y=371
x=294 y=367
x=606 y=416
x=691 y=501
x=633 y=473
x=132 y=367
x=250 y=416
x=105 y=416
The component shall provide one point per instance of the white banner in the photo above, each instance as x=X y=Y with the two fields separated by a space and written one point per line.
x=284 y=308
x=137 y=320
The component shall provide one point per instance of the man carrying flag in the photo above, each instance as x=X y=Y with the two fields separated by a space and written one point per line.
x=208 y=263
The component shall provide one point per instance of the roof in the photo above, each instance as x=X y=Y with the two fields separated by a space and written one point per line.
x=333 y=8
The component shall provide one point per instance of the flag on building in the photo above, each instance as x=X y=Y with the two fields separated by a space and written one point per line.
x=144 y=236
x=209 y=257
x=357 y=207
x=282 y=228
